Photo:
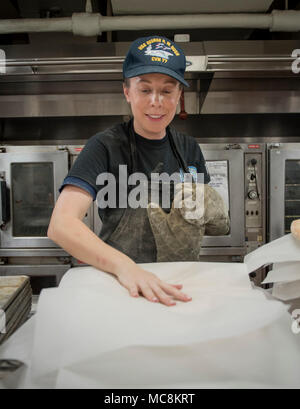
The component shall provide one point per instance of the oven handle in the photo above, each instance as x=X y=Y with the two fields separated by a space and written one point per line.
x=4 y=204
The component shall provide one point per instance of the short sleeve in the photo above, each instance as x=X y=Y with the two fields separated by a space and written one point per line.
x=71 y=180
x=91 y=162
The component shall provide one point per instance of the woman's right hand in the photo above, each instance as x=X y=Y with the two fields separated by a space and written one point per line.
x=143 y=282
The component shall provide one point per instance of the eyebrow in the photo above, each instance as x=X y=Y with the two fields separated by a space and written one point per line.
x=174 y=82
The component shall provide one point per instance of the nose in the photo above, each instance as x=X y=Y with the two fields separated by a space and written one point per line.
x=156 y=99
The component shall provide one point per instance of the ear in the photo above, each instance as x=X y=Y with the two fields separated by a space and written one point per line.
x=179 y=95
x=126 y=93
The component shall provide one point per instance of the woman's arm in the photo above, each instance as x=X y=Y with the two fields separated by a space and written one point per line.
x=67 y=229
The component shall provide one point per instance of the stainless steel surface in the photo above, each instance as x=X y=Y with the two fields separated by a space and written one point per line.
x=248 y=215
x=223 y=251
x=59 y=105
x=248 y=95
x=113 y=65
x=253 y=191
x=86 y=65
x=86 y=80
x=113 y=51
x=234 y=243
x=35 y=270
x=29 y=155
x=34 y=253
x=207 y=6
x=232 y=247
x=235 y=160
x=81 y=98
x=249 y=63
x=255 y=196
x=66 y=61
x=247 y=102
x=278 y=158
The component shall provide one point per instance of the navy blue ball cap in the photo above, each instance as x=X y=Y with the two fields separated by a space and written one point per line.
x=155 y=54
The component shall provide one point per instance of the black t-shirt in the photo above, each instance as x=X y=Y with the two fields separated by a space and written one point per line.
x=105 y=151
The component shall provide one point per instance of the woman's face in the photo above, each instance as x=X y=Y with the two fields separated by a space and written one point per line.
x=153 y=99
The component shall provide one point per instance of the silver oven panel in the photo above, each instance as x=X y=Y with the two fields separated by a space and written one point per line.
x=255 y=199
x=231 y=171
x=238 y=173
x=284 y=176
x=33 y=176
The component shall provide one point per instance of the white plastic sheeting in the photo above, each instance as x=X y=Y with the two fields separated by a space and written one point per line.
x=89 y=333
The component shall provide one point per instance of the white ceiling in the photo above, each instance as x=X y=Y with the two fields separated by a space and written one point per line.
x=188 y=6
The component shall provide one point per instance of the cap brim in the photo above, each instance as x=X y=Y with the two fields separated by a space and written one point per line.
x=149 y=69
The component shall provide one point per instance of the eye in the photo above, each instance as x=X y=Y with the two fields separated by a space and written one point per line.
x=145 y=91
x=167 y=91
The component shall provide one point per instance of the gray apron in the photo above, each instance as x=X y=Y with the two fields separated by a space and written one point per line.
x=133 y=234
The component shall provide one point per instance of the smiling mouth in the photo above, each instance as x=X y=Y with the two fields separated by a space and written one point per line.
x=155 y=117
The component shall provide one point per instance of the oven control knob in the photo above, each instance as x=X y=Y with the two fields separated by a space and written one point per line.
x=252 y=194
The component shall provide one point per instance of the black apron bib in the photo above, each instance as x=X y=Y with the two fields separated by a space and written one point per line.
x=133 y=235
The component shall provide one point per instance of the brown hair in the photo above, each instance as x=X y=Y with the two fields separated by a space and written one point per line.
x=126 y=82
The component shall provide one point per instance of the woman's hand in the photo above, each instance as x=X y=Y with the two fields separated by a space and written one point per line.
x=295 y=229
x=139 y=281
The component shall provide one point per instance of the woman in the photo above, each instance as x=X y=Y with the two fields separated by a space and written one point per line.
x=153 y=80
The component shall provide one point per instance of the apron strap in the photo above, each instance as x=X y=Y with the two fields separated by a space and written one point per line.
x=133 y=150
x=176 y=152
x=132 y=146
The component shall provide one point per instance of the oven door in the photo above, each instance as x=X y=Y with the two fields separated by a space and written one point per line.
x=226 y=168
x=33 y=176
x=284 y=188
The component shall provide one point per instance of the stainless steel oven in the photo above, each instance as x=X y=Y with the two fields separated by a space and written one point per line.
x=30 y=178
x=33 y=174
x=238 y=173
x=284 y=187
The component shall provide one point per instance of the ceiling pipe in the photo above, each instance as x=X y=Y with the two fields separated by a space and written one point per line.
x=91 y=24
